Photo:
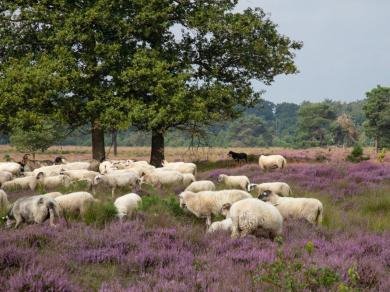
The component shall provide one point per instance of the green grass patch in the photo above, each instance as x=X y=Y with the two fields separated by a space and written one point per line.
x=100 y=213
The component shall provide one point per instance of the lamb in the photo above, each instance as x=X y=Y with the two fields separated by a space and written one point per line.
x=117 y=180
x=183 y=167
x=161 y=178
x=75 y=203
x=12 y=167
x=296 y=208
x=280 y=188
x=52 y=182
x=126 y=205
x=24 y=183
x=208 y=203
x=251 y=215
x=234 y=182
x=35 y=209
x=224 y=225
x=201 y=185
x=4 y=203
x=272 y=162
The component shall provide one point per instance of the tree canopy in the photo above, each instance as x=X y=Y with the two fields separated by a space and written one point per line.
x=112 y=64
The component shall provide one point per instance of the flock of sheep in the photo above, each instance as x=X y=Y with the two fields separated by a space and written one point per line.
x=244 y=213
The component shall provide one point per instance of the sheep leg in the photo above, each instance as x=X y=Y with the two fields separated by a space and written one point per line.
x=208 y=221
x=52 y=218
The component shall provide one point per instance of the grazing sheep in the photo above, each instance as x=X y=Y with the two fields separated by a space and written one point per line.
x=4 y=203
x=52 y=182
x=272 y=162
x=77 y=165
x=224 y=225
x=105 y=166
x=23 y=183
x=188 y=178
x=12 y=167
x=116 y=180
x=80 y=174
x=201 y=185
x=234 y=182
x=296 y=208
x=53 y=195
x=161 y=178
x=251 y=215
x=75 y=203
x=126 y=204
x=35 y=209
x=5 y=176
x=49 y=170
x=134 y=170
x=183 y=167
x=208 y=203
x=280 y=188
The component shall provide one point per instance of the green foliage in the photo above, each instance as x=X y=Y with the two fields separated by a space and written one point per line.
x=37 y=138
x=381 y=155
x=377 y=111
x=314 y=120
x=100 y=213
x=155 y=203
x=357 y=155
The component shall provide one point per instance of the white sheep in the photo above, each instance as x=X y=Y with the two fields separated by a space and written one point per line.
x=251 y=215
x=188 y=178
x=234 y=182
x=23 y=183
x=77 y=165
x=207 y=203
x=183 y=167
x=52 y=182
x=35 y=209
x=80 y=174
x=75 y=203
x=162 y=178
x=308 y=209
x=267 y=162
x=115 y=180
x=201 y=185
x=49 y=170
x=53 y=195
x=5 y=176
x=4 y=203
x=280 y=188
x=126 y=204
x=224 y=225
x=12 y=167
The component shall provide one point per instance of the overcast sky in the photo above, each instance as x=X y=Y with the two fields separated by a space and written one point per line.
x=346 y=48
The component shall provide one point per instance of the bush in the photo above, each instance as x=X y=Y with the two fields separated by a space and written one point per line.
x=357 y=155
x=100 y=213
x=381 y=155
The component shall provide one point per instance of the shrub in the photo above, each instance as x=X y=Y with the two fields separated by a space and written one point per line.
x=381 y=155
x=357 y=155
x=100 y=213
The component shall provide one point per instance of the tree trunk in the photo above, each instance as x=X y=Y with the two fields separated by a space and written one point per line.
x=115 y=142
x=98 y=151
x=157 y=152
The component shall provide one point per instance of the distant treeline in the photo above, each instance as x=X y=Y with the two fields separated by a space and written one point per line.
x=266 y=124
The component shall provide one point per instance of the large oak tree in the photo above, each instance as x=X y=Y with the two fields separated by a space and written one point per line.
x=153 y=64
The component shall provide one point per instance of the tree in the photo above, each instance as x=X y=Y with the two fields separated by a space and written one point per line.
x=377 y=111
x=112 y=64
x=38 y=138
x=205 y=75
x=344 y=131
x=314 y=120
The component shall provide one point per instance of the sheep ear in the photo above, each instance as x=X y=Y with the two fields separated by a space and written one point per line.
x=40 y=201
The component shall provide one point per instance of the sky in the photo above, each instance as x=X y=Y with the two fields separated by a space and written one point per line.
x=346 y=48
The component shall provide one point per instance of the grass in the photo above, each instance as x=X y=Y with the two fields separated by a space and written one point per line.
x=100 y=213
